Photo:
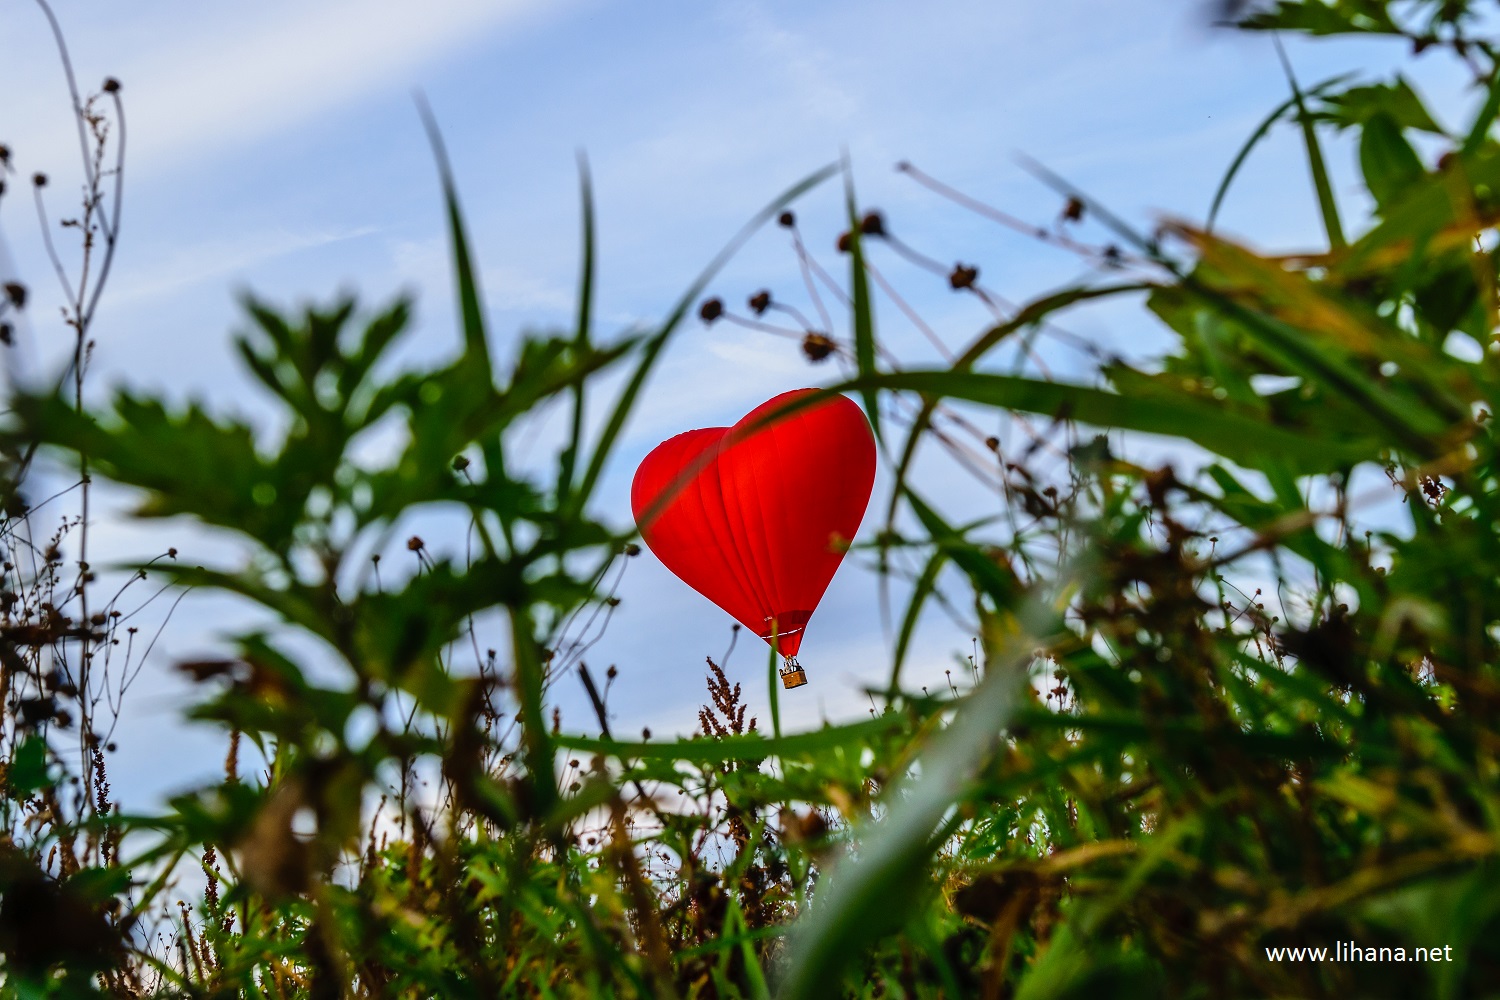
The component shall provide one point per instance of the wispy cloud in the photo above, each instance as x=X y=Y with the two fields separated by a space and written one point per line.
x=183 y=266
x=212 y=78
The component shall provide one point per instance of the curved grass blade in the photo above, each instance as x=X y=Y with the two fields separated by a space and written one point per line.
x=476 y=342
x=1260 y=133
x=655 y=343
x=862 y=898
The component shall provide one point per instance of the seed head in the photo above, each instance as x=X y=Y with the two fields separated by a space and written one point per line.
x=632 y=549
x=760 y=301
x=15 y=294
x=872 y=224
x=460 y=463
x=845 y=242
x=963 y=277
x=711 y=310
x=414 y=544
x=817 y=347
x=39 y=179
x=786 y=220
x=111 y=85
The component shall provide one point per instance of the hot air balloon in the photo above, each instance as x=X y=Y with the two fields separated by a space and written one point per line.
x=761 y=516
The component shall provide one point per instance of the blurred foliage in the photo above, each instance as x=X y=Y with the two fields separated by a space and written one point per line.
x=1238 y=703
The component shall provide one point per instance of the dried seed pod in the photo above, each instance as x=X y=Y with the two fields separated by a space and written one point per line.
x=817 y=347
x=963 y=276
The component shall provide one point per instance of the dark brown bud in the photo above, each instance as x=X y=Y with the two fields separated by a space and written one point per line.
x=993 y=444
x=646 y=734
x=15 y=294
x=612 y=672
x=760 y=302
x=786 y=220
x=632 y=549
x=460 y=463
x=40 y=180
x=4 y=155
x=414 y=544
x=711 y=310
x=5 y=334
x=845 y=241
x=111 y=85
x=817 y=347
x=1073 y=211
x=872 y=224
x=963 y=277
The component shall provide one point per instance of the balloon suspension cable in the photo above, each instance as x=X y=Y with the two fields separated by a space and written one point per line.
x=792 y=674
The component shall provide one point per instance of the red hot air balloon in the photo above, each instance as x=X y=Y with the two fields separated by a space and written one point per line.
x=761 y=525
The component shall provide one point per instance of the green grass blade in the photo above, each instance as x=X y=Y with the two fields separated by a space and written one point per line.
x=747 y=747
x=1315 y=162
x=861 y=305
x=476 y=342
x=925 y=587
x=658 y=341
x=582 y=332
x=1260 y=133
x=1243 y=439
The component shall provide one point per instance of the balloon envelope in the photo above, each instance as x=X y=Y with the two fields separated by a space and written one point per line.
x=761 y=523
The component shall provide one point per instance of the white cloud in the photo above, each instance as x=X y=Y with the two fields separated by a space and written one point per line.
x=207 y=78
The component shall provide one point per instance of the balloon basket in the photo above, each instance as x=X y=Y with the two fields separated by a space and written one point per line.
x=792 y=675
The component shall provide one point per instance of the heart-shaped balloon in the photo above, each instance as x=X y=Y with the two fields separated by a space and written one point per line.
x=763 y=519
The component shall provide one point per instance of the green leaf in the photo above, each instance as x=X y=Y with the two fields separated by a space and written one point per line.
x=1389 y=163
x=1396 y=101
x=28 y=766
x=1322 y=17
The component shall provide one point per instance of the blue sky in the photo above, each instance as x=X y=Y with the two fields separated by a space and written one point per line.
x=276 y=147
